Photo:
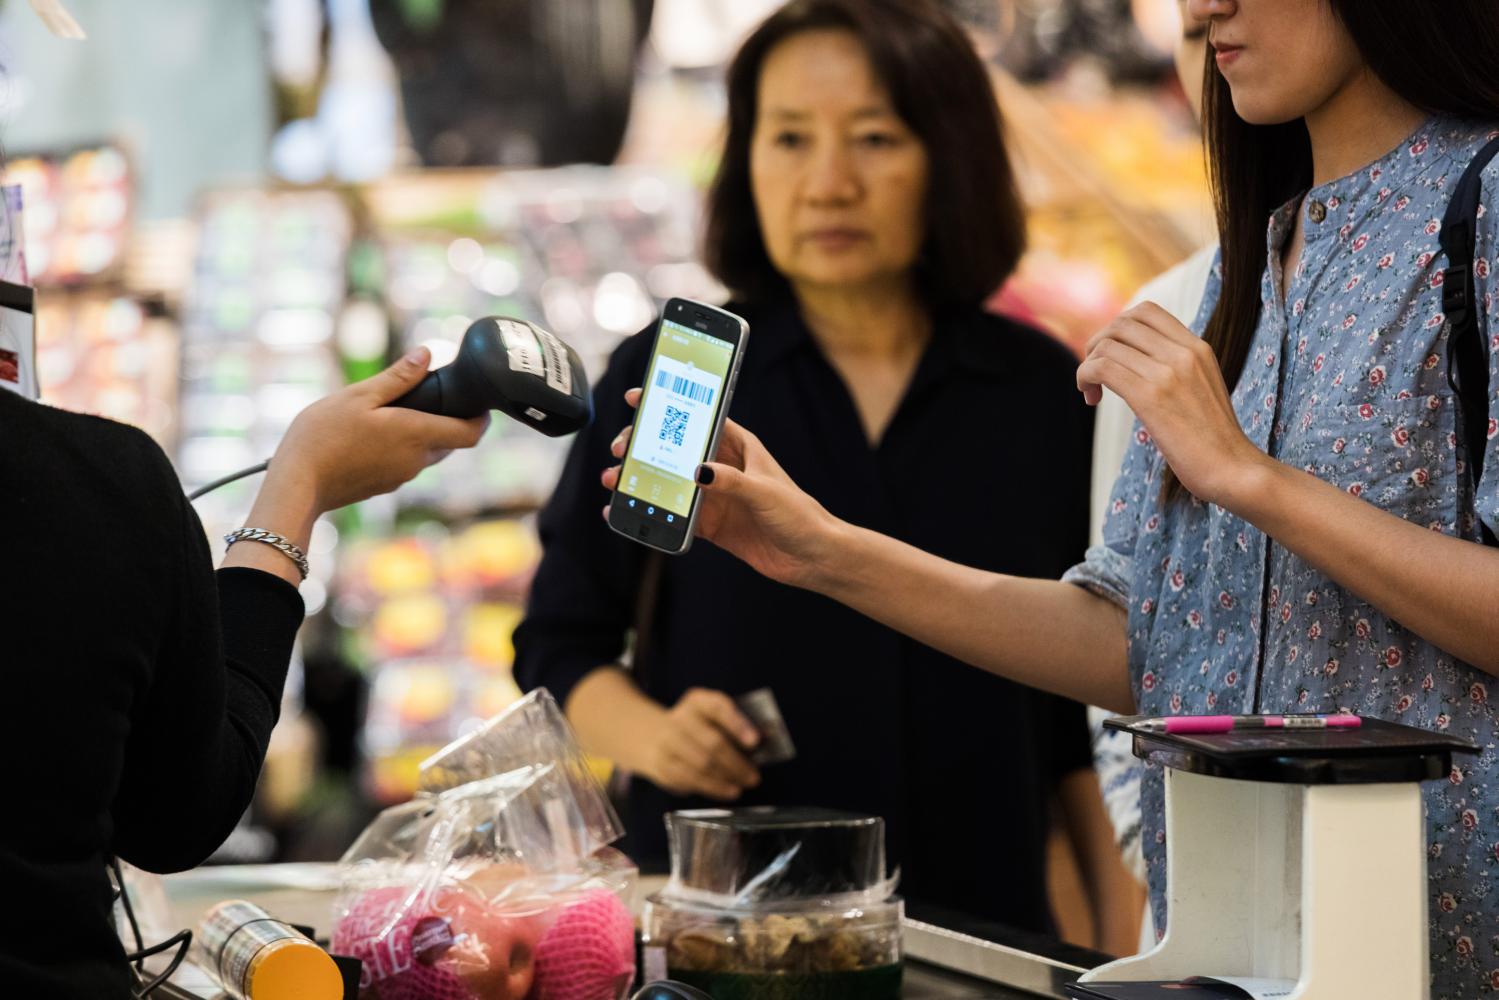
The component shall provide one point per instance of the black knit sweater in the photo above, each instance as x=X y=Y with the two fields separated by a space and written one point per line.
x=138 y=690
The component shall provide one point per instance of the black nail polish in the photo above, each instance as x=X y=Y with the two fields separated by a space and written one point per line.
x=705 y=475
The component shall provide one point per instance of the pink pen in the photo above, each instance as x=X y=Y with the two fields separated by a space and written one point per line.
x=1189 y=725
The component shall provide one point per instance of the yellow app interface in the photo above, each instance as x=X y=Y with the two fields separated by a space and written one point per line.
x=682 y=394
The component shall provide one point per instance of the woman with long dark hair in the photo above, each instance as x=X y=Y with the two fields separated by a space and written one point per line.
x=1297 y=526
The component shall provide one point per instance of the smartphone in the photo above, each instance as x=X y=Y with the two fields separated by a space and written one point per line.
x=689 y=381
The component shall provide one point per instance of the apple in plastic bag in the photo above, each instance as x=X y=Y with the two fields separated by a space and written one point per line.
x=589 y=951
x=450 y=946
x=493 y=953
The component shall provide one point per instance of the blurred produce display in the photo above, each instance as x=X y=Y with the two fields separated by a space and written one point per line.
x=212 y=332
x=77 y=212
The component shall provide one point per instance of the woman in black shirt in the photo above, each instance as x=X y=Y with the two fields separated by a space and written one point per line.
x=141 y=689
x=863 y=211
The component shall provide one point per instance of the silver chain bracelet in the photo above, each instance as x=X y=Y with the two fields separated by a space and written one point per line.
x=275 y=541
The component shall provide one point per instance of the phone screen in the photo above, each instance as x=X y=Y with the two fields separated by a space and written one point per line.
x=683 y=392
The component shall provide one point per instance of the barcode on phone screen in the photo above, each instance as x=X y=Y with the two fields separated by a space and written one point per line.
x=685 y=387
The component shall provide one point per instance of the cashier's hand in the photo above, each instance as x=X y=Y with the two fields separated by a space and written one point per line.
x=752 y=509
x=699 y=748
x=350 y=445
x=1171 y=379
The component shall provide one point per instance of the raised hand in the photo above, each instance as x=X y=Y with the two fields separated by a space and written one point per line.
x=350 y=445
x=1171 y=380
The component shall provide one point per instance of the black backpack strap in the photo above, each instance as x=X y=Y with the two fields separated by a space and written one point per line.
x=1467 y=352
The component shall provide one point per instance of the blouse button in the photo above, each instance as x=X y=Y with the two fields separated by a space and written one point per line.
x=1317 y=211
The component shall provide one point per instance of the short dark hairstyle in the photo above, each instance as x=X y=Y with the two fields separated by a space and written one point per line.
x=975 y=224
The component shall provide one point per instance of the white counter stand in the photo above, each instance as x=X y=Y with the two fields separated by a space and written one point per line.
x=1306 y=865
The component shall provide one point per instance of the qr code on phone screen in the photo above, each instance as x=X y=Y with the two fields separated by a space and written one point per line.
x=674 y=426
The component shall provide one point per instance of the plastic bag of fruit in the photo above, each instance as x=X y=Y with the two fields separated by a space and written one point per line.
x=497 y=882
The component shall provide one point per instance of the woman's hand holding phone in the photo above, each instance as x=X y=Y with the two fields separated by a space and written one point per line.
x=752 y=509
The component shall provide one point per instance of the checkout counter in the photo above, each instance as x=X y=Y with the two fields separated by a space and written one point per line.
x=948 y=956
x=1280 y=845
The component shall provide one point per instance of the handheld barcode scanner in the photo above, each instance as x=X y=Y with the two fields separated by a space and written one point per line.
x=512 y=366
x=503 y=364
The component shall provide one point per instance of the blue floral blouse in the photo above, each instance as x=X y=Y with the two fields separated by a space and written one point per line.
x=1347 y=379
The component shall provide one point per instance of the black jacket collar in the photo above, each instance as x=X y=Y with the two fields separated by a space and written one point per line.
x=963 y=339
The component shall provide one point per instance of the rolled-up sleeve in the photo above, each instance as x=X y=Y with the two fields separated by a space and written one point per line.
x=1104 y=572
x=584 y=598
